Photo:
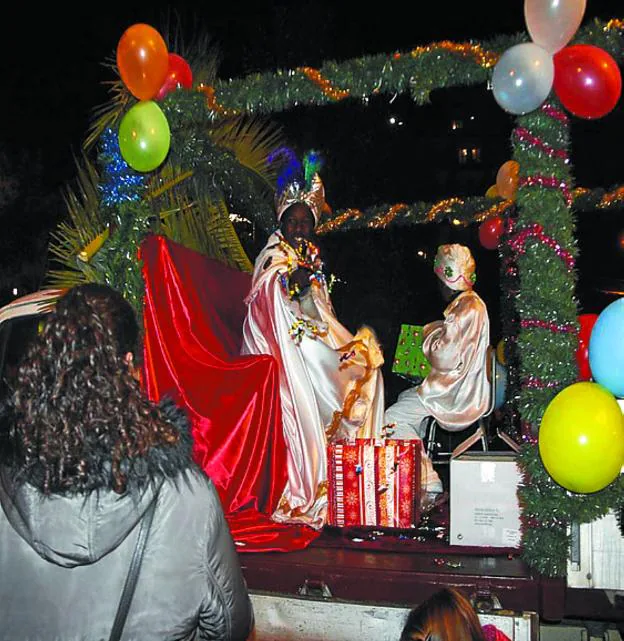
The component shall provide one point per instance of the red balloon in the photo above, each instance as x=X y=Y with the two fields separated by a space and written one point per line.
x=587 y=81
x=179 y=74
x=587 y=322
x=490 y=231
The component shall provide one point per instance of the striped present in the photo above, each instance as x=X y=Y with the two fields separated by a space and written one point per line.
x=374 y=482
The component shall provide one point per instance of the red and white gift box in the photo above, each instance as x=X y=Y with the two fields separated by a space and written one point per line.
x=373 y=482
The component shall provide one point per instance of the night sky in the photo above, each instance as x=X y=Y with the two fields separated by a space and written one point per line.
x=52 y=73
x=52 y=70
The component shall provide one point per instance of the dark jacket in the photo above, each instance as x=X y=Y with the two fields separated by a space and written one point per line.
x=64 y=559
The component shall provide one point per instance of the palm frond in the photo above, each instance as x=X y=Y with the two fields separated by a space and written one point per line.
x=198 y=221
x=107 y=115
x=252 y=139
x=84 y=226
x=201 y=51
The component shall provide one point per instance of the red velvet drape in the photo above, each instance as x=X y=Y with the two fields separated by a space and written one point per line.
x=193 y=317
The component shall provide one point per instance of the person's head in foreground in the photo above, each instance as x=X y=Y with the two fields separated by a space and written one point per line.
x=80 y=418
x=455 y=266
x=445 y=616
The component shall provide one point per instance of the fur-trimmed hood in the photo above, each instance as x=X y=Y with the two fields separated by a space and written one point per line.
x=80 y=528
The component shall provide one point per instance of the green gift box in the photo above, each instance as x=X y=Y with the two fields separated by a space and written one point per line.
x=409 y=360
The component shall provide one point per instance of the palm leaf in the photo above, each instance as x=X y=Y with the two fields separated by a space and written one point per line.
x=201 y=51
x=109 y=113
x=198 y=221
x=252 y=140
x=84 y=226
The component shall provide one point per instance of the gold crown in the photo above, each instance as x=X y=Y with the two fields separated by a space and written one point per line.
x=296 y=192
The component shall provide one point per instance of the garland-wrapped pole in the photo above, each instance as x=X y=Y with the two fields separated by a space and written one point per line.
x=543 y=248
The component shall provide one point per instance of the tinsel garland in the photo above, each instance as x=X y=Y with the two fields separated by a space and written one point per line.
x=215 y=168
x=119 y=183
x=428 y=67
x=541 y=247
x=463 y=210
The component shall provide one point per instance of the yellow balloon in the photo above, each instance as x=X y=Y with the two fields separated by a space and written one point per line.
x=581 y=438
x=500 y=352
x=492 y=192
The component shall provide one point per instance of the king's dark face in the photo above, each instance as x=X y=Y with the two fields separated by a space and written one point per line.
x=297 y=224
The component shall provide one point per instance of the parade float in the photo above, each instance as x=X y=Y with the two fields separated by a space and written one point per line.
x=178 y=160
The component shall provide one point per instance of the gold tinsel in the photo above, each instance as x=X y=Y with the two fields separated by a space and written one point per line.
x=323 y=84
x=485 y=59
x=212 y=103
x=614 y=23
x=339 y=221
x=382 y=221
x=444 y=206
x=609 y=199
x=494 y=210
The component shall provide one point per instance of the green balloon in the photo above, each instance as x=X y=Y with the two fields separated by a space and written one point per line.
x=144 y=136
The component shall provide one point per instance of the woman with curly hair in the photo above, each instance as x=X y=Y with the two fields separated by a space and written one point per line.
x=445 y=616
x=85 y=458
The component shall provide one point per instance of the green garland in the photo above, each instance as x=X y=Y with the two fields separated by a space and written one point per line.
x=419 y=72
x=460 y=211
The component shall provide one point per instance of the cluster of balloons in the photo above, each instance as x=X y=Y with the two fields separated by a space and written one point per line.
x=581 y=437
x=150 y=73
x=585 y=78
x=506 y=186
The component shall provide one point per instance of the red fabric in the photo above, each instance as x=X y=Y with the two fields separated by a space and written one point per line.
x=193 y=316
x=492 y=633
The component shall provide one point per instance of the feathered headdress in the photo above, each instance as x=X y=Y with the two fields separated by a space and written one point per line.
x=299 y=182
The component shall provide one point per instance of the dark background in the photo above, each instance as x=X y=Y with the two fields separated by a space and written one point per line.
x=52 y=76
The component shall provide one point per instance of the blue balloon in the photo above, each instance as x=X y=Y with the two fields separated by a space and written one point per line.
x=501 y=385
x=606 y=348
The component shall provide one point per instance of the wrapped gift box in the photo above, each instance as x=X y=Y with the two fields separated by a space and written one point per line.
x=484 y=504
x=374 y=483
x=409 y=359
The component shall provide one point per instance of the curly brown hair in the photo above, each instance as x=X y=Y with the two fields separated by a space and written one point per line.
x=80 y=419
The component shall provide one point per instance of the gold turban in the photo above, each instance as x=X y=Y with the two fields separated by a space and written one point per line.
x=296 y=193
x=455 y=267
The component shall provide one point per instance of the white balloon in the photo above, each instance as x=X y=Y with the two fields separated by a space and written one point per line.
x=552 y=23
x=523 y=78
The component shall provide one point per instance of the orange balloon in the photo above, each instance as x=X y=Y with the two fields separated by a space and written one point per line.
x=142 y=60
x=507 y=179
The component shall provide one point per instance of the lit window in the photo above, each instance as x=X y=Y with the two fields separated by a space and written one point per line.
x=456 y=124
x=475 y=154
x=462 y=156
